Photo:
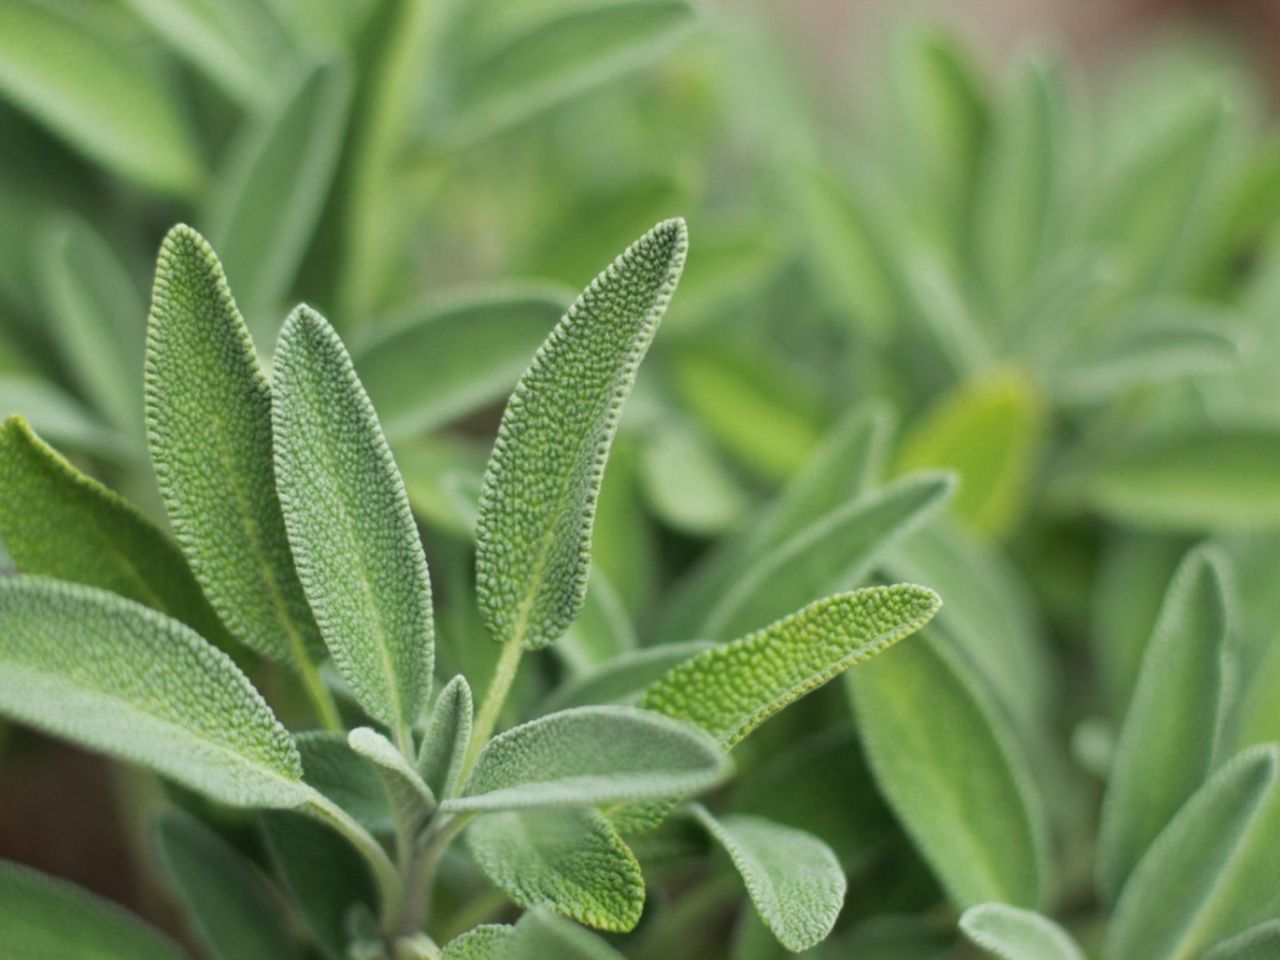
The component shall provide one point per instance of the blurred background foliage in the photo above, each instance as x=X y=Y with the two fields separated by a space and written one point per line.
x=1049 y=267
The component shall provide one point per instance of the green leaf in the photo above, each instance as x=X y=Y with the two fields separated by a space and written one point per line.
x=540 y=935
x=542 y=483
x=1256 y=943
x=64 y=420
x=487 y=942
x=730 y=690
x=80 y=74
x=350 y=528
x=591 y=756
x=209 y=430
x=332 y=767
x=603 y=631
x=445 y=358
x=794 y=879
x=950 y=767
x=569 y=860
x=624 y=678
x=411 y=800
x=834 y=553
x=1015 y=934
x=271 y=194
x=689 y=487
x=118 y=677
x=1173 y=727
x=989 y=432
x=42 y=917
x=233 y=911
x=444 y=747
x=1212 y=872
x=58 y=522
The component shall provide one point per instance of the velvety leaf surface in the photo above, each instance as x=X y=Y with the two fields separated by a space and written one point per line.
x=444 y=746
x=209 y=430
x=540 y=489
x=352 y=533
x=486 y=942
x=332 y=767
x=1012 y=933
x=411 y=799
x=569 y=860
x=793 y=878
x=115 y=676
x=41 y=918
x=591 y=756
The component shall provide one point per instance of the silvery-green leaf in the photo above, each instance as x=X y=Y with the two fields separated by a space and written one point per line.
x=43 y=917
x=410 y=798
x=440 y=360
x=540 y=934
x=350 y=528
x=733 y=688
x=485 y=942
x=952 y=770
x=332 y=767
x=832 y=554
x=115 y=676
x=793 y=878
x=233 y=911
x=1173 y=727
x=592 y=756
x=209 y=431
x=79 y=72
x=1257 y=943
x=1012 y=933
x=57 y=522
x=624 y=678
x=444 y=746
x=569 y=860
x=543 y=480
x=1212 y=872
x=264 y=214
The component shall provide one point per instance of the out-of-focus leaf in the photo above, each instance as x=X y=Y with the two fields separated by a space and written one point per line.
x=332 y=767
x=624 y=678
x=1257 y=943
x=1016 y=934
x=444 y=745
x=442 y=477
x=951 y=769
x=687 y=484
x=603 y=631
x=64 y=420
x=540 y=935
x=79 y=73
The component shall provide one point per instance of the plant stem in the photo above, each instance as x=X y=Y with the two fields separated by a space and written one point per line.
x=494 y=699
x=385 y=875
x=421 y=874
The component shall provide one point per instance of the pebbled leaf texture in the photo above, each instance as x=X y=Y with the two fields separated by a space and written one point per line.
x=209 y=431
x=58 y=522
x=350 y=528
x=537 y=502
x=1012 y=933
x=444 y=746
x=115 y=676
x=730 y=690
x=43 y=918
x=793 y=878
x=569 y=860
x=592 y=756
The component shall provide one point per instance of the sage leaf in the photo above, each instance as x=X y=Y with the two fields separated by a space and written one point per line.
x=57 y=522
x=1016 y=934
x=541 y=934
x=444 y=746
x=44 y=917
x=1256 y=943
x=209 y=431
x=350 y=528
x=541 y=486
x=331 y=766
x=794 y=879
x=624 y=678
x=687 y=484
x=1173 y=726
x=65 y=420
x=732 y=689
x=1211 y=872
x=412 y=801
x=603 y=631
x=951 y=769
x=231 y=908
x=591 y=756
x=569 y=860
x=118 y=677
x=486 y=942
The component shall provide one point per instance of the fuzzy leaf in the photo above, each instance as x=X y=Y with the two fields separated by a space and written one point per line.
x=730 y=690
x=1173 y=726
x=486 y=942
x=950 y=767
x=332 y=767
x=209 y=430
x=41 y=917
x=1015 y=934
x=448 y=735
x=1257 y=943
x=543 y=480
x=1212 y=872
x=794 y=879
x=568 y=860
x=115 y=676
x=58 y=522
x=540 y=935
x=624 y=678
x=411 y=799
x=232 y=909
x=438 y=361
x=592 y=756
x=77 y=72
x=352 y=533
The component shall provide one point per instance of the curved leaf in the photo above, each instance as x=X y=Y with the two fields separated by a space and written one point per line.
x=444 y=746
x=332 y=767
x=540 y=935
x=1016 y=934
x=411 y=799
x=486 y=942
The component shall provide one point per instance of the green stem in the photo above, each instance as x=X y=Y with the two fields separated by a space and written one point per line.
x=422 y=872
x=385 y=875
x=494 y=699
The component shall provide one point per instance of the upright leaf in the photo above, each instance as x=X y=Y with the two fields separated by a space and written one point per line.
x=444 y=745
x=1173 y=725
x=540 y=489
x=115 y=676
x=42 y=917
x=209 y=430
x=350 y=527
x=1257 y=943
x=1015 y=934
